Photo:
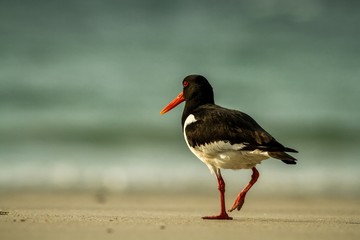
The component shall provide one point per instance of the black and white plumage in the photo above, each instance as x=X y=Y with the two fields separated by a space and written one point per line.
x=224 y=138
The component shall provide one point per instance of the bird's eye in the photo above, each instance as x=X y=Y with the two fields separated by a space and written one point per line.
x=185 y=83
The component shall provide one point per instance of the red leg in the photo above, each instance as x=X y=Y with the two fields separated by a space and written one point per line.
x=240 y=199
x=221 y=186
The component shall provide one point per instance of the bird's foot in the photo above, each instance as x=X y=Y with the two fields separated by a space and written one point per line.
x=239 y=202
x=222 y=216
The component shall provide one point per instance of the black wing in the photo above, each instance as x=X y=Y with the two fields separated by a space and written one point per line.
x=215 y=123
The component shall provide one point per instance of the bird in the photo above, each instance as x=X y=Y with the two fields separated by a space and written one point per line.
x=224 y=138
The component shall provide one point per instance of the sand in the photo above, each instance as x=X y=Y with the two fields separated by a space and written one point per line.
x=86 y=215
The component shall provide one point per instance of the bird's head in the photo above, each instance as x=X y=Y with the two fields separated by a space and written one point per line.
x=196 y=89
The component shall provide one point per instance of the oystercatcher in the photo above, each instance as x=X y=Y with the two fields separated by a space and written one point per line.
x=224 y=138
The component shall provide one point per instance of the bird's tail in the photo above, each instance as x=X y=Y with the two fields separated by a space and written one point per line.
x=286 y=158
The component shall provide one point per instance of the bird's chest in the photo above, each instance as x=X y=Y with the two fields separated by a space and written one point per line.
x=221 y=153
x=227 y=156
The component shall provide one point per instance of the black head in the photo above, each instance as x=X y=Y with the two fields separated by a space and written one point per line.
x=198 y=90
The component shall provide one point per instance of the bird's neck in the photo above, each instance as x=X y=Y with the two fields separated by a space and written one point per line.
x=192 y=104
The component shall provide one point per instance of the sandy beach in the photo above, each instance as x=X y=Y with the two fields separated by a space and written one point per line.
x=86 y=215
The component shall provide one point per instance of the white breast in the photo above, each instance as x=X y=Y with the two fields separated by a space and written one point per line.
x=222 y=154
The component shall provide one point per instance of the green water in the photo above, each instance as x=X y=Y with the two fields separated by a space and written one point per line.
x=82 y=84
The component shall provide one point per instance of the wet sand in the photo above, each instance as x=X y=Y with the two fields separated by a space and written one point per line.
x=86 y=215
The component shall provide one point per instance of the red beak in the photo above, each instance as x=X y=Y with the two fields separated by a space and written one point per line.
x=179 y=99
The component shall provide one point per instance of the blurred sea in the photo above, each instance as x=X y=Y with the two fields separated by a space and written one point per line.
x=82 y=84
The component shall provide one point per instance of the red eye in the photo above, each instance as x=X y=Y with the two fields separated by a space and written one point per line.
x=185 y=83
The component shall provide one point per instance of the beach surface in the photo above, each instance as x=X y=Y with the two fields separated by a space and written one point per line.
x=101 y=215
